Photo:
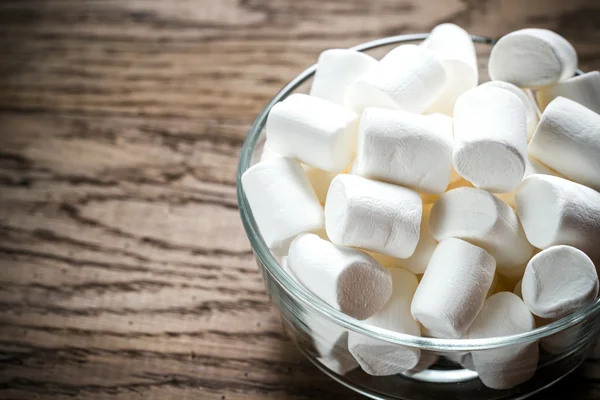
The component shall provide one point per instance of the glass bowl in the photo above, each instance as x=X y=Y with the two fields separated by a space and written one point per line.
x=538 y=358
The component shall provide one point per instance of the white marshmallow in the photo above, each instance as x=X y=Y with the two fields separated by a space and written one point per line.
x=336 y=70
x=417 y=263
x=532 y=58
x=373 y=215
x=481 y=218
x=318 y=178
x=329 y=339
x=504 y=314
x=345 y=278
x=490 y=138
x=408 y=78
x=558 y=281
x=406 y=149
x=380 y=358
x=315 y=131
x=454 y=47
x=584 y=89
x=531 y=116
x=453 y=288
x=340 y=360
x=282 y=200
x=556 y=211
x=427 y=360
x=567 y=139
x=532 y=167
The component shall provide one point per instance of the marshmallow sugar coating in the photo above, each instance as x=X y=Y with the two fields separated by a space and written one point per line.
x=531 y=116
x=455 y=49
x=504 y=314
x=315 y=131
x=584 y=89
x=477 y=216
x=558 y=281
x=406 y=149
x=556 y=211
x=408 y=78
x=374 y=216
x=336 y=70
x=490 y=138
x=567 y=139
x=345 y=278
x=532 y=58
x=282 y=201
x=380 y=358
x=453 y=288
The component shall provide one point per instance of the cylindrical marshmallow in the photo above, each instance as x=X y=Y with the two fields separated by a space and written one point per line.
x=532 y=58
x=336 y=70
x=557 y=211
x=373 y=215
x=315 y=131
x=453 y=288
x=558 y=281
x=282 y=200
x=408 y=78
x=477 y=216
x=490 y=138
x=531 y=116
x=567 y=139
x=584 y=89
x=504 y=314
x=380 y=358
x=417 y=263
x=329 y=339
x=454 y=47
x=406 y=149
x=345 y=278
x=318 y=178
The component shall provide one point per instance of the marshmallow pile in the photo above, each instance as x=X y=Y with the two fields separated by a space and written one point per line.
x=403 y=194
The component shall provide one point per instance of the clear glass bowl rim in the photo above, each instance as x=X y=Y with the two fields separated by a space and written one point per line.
x=310 y=301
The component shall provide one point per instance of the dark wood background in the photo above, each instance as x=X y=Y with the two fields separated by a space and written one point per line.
x=124 y=269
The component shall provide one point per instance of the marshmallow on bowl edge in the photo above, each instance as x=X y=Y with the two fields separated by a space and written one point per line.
x=336 y=70
x=282 y=201
x=504 y=314
x=315 y=131
x=567 y=139
x=453 y=288
x=454 y=47
x=584 y=89
x=532 y=58
x=406 y=149
x=318 y=178
x=408 y=78
x=345 y=278
x=490 y=138
x=557 y=211
x=531 y=116
x=373 y=215
x=477 y=216
x=329 y=340
x=380 y=358
x=558 y=281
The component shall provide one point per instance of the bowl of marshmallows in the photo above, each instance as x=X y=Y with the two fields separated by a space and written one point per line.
x=427 y=232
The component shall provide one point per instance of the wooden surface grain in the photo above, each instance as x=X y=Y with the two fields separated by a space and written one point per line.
x=124 y=269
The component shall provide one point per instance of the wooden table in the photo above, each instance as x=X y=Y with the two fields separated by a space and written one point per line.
x=124 y=269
